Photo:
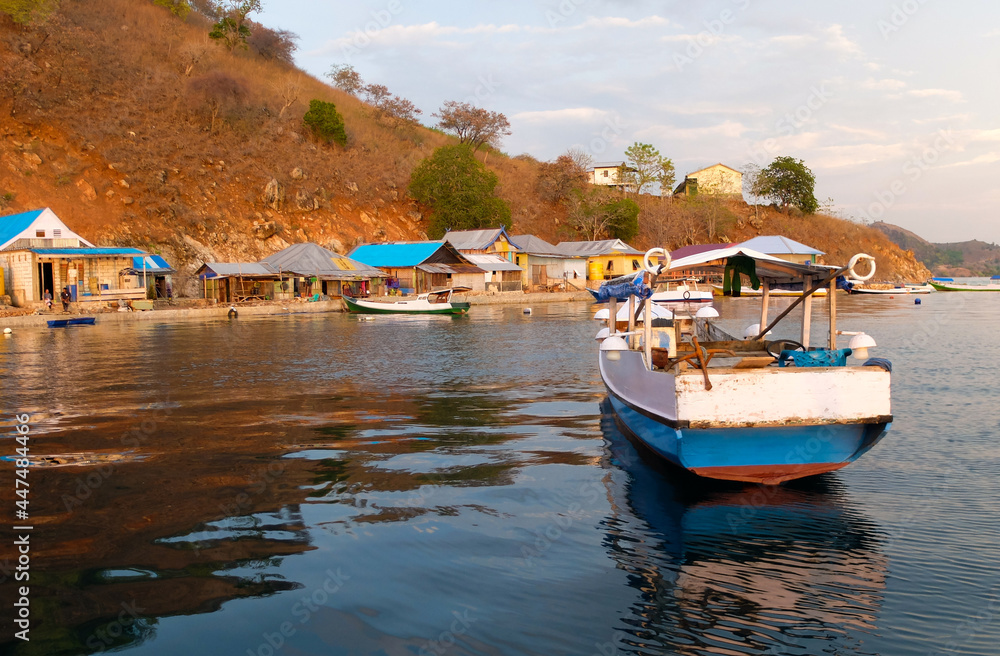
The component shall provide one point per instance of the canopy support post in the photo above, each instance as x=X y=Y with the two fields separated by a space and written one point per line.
x=807 y=306
x=833 y=315
x=765 y=296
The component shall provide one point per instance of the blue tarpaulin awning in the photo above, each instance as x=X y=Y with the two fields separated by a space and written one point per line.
x=151 y=264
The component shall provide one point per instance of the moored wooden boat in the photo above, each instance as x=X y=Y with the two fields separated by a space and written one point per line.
x=438 y=302
x=733 y=410
x=75 y=321
x=682 y=290
x=949 y=285
x=891 y=289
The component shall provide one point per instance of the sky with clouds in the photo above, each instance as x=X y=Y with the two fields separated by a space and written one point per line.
x=893 y=105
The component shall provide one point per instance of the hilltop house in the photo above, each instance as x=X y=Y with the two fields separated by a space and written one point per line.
x=606 y=174
x=39 y=253
x=422 y=266
x=784 y=248
x=718 y=180
x=606 y=258
x=544 y=265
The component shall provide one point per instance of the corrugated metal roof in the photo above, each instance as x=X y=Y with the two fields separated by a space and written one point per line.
x=314 y=260
x=776 y=244
x=450 y=268
x=474 y=240
x=14 y=224
x=533 y=245
x=86 y=252
x=226 y=269
x=395 y=254
x=491 y=262
x=593 y=248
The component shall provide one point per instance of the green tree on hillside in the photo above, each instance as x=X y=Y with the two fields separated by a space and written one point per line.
x=325 y=122
x=644 y=166
x=597 y=214
x=179 y=8
x=233 y=27
x=788 y=181
x=28 y=11
x=460 y=191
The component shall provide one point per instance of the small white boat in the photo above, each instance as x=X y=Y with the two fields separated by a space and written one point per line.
x=438 y=302
x=733 y=409
x=681 y=290
x=891 y=289
x=949 y=285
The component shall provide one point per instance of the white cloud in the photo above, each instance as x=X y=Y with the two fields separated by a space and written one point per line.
x=886 y=84
x=947 y=94
x=578 y=114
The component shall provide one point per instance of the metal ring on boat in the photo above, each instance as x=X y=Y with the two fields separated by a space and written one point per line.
x=664 y=260
x=854 y=260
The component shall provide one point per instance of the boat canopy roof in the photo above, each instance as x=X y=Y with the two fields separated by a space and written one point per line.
x=768 y=267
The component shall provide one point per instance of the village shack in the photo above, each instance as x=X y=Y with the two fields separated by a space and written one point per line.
x=239 y=282
x=491 y=241
x=39 y=253
x=301 y=270
x=418 y=267
x=317 y=270
x=545 y=267
x=606 y=258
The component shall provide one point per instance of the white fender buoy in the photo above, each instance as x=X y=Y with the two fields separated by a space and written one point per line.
x=664 y=260
x=527 y=310
x=854 y=261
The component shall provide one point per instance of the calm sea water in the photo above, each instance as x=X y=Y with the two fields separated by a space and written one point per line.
x=316 y=484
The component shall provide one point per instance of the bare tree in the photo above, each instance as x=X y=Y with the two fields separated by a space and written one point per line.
x=473 y=125
x=390 y=109
x=581 y=158
x=289 y=91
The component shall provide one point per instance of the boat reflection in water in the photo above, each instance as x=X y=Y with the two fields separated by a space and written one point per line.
x=733 y=568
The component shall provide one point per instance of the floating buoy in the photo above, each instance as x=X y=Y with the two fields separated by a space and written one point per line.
x=232 y=312
x=916 y=301
x=7 y=331
x=891 y=297
x=527 y=310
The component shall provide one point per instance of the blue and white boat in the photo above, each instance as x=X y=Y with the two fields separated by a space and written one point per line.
x=746 y=410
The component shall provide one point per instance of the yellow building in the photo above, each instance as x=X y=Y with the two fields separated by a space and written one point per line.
x=717 y=179
x=492 y=241
x=606 y=258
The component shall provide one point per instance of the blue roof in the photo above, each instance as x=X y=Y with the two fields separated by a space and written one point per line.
x=398 y=254
x=13 y=225
x=776 y=244
x=86 y=251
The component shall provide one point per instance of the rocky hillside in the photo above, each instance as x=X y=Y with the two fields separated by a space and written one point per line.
x=966 y=258
x=138 y=130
